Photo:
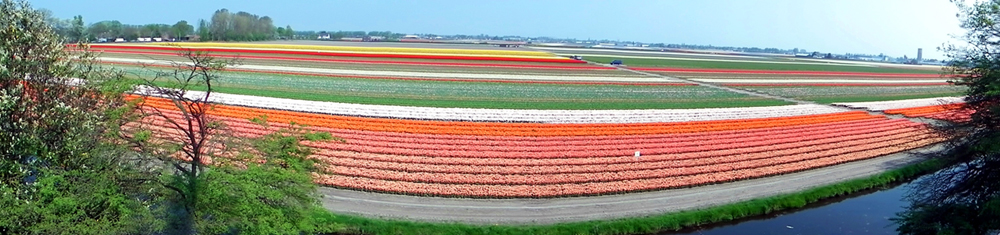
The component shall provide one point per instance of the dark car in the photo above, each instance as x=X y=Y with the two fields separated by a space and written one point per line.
x=616 y=62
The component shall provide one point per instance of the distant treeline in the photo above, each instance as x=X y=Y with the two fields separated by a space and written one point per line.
x=223 y=26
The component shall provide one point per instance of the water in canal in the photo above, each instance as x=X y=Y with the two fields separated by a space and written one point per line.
x=861 y=213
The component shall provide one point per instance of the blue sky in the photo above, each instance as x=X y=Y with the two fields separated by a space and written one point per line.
x=893 y=27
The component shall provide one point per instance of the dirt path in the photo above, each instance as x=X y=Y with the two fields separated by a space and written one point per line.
x=555 y=210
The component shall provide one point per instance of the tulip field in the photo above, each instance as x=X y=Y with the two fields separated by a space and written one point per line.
x=529 y=124
x=477 y=159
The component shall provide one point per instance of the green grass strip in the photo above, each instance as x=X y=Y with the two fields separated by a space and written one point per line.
x=460 y=94
x=641 y=225
x=842 y=99
x=751 y=65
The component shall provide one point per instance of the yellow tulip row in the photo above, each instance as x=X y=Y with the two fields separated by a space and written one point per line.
x=400 y=50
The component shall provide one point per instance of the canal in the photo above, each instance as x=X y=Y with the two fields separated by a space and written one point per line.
x=866 y=212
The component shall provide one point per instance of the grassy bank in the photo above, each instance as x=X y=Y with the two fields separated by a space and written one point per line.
x=641 y=225
x=751 y=65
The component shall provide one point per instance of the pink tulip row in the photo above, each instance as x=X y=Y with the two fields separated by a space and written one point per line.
x=512 y=166
x=468 y=166
x=603 y=187
x=689 y=167
x=503 y=152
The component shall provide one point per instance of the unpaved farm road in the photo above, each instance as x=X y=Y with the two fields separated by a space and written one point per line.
x=570 y=209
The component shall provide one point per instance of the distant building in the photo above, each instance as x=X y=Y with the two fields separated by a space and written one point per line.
x=323 y=36
x=920 y=54
x=373 y=38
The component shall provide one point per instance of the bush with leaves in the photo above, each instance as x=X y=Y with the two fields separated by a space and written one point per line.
x=965 y=197
x=60 y=171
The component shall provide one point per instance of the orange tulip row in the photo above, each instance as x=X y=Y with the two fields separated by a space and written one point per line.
x=948 y=112
x=516 y=129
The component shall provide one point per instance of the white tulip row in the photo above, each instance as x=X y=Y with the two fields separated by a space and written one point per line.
x=412 y=74
x=899 y=104
x=518 y=115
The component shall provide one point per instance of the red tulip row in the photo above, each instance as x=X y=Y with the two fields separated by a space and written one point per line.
x=723 y=174
x=343 y=54
x=520 y=66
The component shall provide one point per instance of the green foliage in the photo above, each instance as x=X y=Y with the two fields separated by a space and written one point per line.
x=267 y=189
x=642 y=225
x=68 y=167
x=79 y=33
x=240 y=26
x=58 y=174
x=963 y=199
x=181 y=29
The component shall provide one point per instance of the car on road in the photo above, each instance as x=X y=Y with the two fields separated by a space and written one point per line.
x=616 y=62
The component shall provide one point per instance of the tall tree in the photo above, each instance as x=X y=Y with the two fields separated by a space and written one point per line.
x=241 y=26
x=181 y=29
x=280 y=31
x=289 y=32
x=965 y=197
x=203 y=30
x=79 y=32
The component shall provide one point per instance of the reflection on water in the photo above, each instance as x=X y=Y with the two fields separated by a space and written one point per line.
x=860 y=214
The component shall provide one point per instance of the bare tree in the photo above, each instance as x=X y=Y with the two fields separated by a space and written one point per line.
x=265 y=178
x=196 y=137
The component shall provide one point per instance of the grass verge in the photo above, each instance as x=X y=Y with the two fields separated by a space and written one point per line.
x=485 y=95
x=751 y=65
x=640 y=225
x=844 y=99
